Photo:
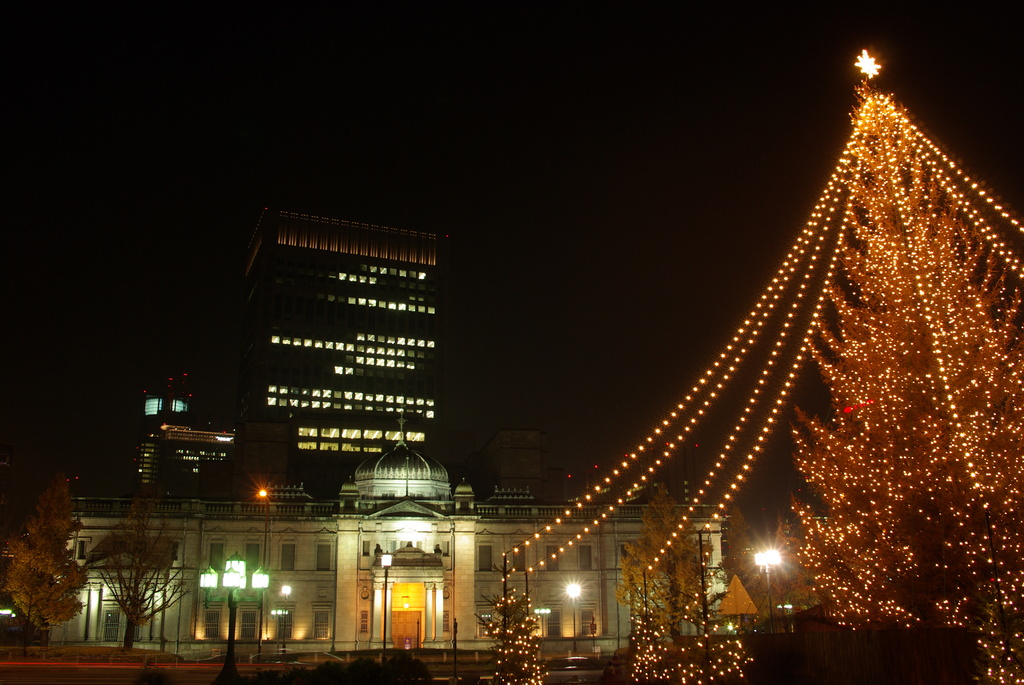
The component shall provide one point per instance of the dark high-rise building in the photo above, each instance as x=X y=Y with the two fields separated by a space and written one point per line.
x=172 y=453
x=339 y=340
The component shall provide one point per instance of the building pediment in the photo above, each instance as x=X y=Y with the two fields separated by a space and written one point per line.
x=405 y=508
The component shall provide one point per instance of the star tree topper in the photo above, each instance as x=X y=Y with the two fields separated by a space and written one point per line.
x=867 y=64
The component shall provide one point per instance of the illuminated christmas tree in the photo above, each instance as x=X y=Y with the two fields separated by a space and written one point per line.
x=922 y=355
x=513 y=627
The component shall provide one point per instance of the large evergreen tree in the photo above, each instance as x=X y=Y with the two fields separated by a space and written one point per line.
x=43 y=578
x=922 y=355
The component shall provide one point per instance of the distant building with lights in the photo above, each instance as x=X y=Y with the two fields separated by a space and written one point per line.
x=179 y=459
x=340 y=335
x=445 y=548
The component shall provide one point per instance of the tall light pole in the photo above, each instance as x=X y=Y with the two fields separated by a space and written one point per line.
x=766 y=560
x=573 y=590
x=283 y=623
x=232 y=580
x=265 y=496
x=385 y=561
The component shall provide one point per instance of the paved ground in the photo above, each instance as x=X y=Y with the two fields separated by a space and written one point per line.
x=100 y=674
x=21 y=673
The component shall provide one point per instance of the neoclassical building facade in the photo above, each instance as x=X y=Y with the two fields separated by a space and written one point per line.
x=329 y=588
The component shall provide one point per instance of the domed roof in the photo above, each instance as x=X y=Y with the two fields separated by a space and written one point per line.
x=401 y=462
x=402 y=472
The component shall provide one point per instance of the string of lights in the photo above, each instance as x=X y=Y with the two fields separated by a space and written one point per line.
x=806 y=250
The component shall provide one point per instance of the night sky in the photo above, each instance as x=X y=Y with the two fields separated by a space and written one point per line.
x=616 y=184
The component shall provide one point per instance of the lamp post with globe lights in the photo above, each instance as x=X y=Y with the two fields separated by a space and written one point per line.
x=283 y=618
x=232 y=580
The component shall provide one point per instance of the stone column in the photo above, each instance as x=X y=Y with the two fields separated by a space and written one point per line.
x=439 y=611
x=428 y=610
x=375 y=620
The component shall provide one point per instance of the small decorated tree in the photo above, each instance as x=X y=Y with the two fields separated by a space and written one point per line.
x=513 y=628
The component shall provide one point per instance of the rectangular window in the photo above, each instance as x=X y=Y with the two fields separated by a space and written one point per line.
x=323 y=557
x=81 y=549
x=586 y=553
x=211 y=624
x=364 y=621
x=446 y=621
x=252 y=556
x=288 y=556
x=484 y=556
x=111 y=625
x=321 y=624
x=217 y=556
x=284 y=625
x=555 y=623
x=247 y=631
x=366 y=548
x=588 y=625
x=481 y=625
x=550 y=562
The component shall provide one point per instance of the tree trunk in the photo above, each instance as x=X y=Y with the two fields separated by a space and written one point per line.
x=129 y=636
x=27 y=631
x=44 y=637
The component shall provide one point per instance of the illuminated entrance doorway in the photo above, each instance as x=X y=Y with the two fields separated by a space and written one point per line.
x=407 y=612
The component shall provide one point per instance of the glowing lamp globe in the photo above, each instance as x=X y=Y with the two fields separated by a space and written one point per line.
x=260 y=579
x=208 y=578
x=234 y=572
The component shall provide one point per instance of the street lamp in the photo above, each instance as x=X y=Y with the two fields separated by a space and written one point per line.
x=264 y=494
x=542 y=614
x=283 y=622
x=232 y=580
x=766 y=560
x=385 y=561
x=573 y=590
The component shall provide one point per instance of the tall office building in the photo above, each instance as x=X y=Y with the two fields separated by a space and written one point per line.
x=340 y=341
